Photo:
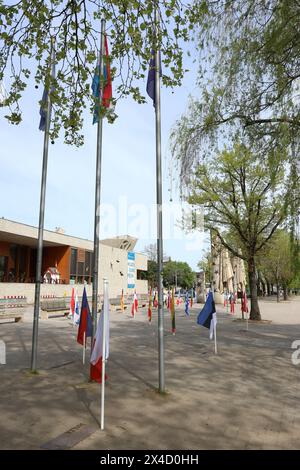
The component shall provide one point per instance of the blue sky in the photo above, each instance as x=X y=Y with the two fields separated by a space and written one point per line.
x=128 y=170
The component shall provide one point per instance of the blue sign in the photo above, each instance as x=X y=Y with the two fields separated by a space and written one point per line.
x=131 y=270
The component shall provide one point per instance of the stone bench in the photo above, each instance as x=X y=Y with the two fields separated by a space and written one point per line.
x=10 y=308
x=16 y=316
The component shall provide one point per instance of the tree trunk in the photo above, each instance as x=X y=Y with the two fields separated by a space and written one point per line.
x=254 y=312
x=269 y=288
x=278 y=295
x=285 y=293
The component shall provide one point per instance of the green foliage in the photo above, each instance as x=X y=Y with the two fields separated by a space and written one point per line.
x=244 y=196
x=248 y=81
x=275 y=262
x=178 y=272
x=151 y=274
x=26 y=29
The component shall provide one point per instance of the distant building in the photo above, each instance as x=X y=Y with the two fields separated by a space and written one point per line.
x=67 y=262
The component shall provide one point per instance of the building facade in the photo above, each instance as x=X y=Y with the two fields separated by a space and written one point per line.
x=67 y=262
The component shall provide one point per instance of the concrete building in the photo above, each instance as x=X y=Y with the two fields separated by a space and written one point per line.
x=67 y=262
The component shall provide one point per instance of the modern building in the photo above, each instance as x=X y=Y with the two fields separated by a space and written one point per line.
x=67 y=262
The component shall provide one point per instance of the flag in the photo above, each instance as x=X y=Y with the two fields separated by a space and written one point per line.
x=96 y=356
x=85 y=322
x=122 y=301
x=155 y=300
x=207 y=317
x=150 y=306
x=76 y=317
x=151 y=76
x=244 y=303
x=172 y=311
x=107 y=83
x=72 y=305
x=169 y=300
x=135 y=304
x=187 y=305
x=44 y=103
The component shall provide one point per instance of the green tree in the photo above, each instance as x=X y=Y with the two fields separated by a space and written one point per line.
x=178 y=273
x=151 y=274
x=26 y=28
x=247 y=198
x=275 y=262
x=205 y=264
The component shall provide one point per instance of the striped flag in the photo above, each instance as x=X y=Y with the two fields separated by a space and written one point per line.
x=135 y=304
x=85 y=322
x=96 y=356
x=172 y=311
x=150 y=306
x=107 y=83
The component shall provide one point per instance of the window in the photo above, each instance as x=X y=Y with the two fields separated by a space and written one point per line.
x=3 y=268
x=81 y=266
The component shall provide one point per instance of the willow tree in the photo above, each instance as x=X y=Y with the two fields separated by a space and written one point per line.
x=26 y=28
x=248 y=82
x=245 y=197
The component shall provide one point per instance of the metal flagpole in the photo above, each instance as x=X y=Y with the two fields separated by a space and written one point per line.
x=97 y=194
x=105 y=319
x=159 y=214
x=38 y=278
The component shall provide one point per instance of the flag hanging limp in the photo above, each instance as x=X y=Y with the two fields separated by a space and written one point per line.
x=150 y=306
x=44 y=103
x=96 y=356
x=151 y=77
x=207 y=317
x=107 y=83
x=187 y=305
x=172 y=311
x=85 y=322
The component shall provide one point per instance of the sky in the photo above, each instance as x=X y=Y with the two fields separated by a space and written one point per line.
x=128 y=186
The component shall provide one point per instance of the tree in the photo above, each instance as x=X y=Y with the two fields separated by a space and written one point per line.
x=205 y=264
x=26 y=28
x=151 y=252
x=151 y=274
x=249 y=70
x=276 y=262
x=246 y=197
x=178 y=273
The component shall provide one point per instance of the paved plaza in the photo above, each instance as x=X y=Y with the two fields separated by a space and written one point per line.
x=246 y=397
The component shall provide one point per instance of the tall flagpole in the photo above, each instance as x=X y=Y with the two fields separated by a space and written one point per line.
x=98 y=192
x=159 y=214
x=38 y=277
x=104 y=351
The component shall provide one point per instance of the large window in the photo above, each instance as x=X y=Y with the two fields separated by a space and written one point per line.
x=3 y=268
x=81 y=266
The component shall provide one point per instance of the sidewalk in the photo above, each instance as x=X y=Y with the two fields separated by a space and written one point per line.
x=245 y=398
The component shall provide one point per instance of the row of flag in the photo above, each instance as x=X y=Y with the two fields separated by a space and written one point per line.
x=85 y=323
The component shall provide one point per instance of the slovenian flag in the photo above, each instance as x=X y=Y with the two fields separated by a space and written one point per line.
x=85 y=322
x=208 y=317
x=107 y=83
